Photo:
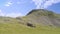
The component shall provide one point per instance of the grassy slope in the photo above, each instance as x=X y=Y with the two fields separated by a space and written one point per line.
x=8 y=28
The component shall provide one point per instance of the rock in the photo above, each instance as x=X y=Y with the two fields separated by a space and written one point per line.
x=30 y=25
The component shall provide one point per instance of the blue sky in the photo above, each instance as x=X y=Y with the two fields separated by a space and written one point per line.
x=14 y=8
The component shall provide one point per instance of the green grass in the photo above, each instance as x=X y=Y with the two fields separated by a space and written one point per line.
x=10 y=28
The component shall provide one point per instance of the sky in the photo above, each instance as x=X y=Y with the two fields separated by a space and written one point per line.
x=15 y=8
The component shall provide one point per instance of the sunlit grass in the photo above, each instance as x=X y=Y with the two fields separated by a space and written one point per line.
x=8 y=28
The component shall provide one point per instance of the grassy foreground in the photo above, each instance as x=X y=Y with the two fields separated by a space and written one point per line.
x=10 y=28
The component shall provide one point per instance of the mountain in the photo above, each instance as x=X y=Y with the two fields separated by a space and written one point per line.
x=42 y=17
x=35 y=17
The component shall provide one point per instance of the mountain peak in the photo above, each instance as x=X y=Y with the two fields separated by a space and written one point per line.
x=41 y=12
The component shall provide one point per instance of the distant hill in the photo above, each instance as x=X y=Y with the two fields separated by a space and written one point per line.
x=7 y=20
